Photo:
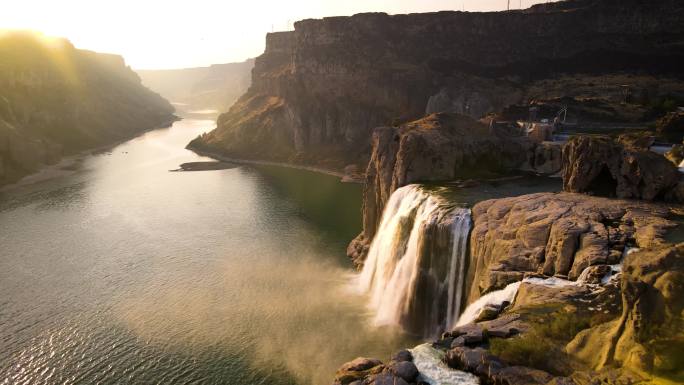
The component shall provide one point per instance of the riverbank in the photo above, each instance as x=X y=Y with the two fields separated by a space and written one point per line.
x=344 y=177
x=69 y=163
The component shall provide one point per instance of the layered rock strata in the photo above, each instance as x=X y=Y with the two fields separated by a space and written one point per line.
x=318 y=91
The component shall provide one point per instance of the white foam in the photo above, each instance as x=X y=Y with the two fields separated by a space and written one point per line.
x=434 y=371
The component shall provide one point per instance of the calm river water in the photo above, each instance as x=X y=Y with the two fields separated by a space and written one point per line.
x=121 y=272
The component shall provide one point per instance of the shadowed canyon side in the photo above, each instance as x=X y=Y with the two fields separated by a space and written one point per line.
x=56 y=100
x=318 y=91
x=215 y=87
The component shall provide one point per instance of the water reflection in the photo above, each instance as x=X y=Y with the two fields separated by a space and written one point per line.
x=124 y=272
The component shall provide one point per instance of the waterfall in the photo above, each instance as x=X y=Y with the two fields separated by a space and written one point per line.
x=507 y=294
x=416 y=263
x=495 y=298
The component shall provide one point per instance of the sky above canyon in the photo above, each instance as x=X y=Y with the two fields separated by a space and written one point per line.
x=155 y=34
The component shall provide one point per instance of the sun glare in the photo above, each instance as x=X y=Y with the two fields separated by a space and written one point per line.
x=174 y=33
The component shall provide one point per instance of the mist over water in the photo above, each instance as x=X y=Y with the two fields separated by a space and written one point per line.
x=124 y=272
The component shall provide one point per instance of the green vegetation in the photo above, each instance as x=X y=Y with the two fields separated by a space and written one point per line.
x=541 y=347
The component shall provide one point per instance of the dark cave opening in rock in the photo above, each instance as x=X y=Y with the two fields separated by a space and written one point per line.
x=603 y=185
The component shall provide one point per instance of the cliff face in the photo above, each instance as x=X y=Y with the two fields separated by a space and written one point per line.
x=57 y=100
x=603 y=166
x=436 y=148
x=318 y=91
x=215 y=87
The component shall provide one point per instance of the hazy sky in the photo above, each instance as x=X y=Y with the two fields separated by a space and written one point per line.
x=188 y=33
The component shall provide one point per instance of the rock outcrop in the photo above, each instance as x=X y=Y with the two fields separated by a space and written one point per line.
x=555 y=234
x=671 y=123
x=318 y=91
x=603 y=166
x=545 y=158
x=437 y=148
x=57 y=100
x=649 y=334
x=364 y=371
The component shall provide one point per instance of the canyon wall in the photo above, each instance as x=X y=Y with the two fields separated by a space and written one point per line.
x=215 y=87
x=56 y=100
x=319 y=91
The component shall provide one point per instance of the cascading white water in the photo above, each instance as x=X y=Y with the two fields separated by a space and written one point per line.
x=433 y=370
x=495 y=298
x=416 y=263
x=507 y=294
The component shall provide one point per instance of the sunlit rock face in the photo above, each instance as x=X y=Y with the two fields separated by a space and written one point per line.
x=319 y=91
x=58 y=100
x=647 y=335
x=555 y=234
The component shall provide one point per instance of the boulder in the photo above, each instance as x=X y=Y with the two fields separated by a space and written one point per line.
x=470 y=334
x=594 y=274
x=386 y=379
x=530 y=295
x=488 y=312
x=357 y=370
x=466 y=359
x=402 y=355
x=545 y=158
x=360 y=364
x=637 y=141
x=506 y=326
x=404 y=369
x=602 y=166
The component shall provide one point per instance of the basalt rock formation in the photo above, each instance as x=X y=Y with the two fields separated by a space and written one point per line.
x=649 y=334
x=56 y=100
x=399 y=371
x=437 y=148
x=603 y=166
x=555 y=234
x=625 y=329
x=319 y=91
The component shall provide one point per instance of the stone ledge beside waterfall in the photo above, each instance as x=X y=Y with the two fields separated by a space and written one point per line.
x=626 y=330
x=556 y=234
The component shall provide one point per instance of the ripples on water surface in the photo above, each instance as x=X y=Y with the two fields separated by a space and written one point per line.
x=123 y=272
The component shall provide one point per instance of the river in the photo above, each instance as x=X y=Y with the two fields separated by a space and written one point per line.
x=118 y=271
